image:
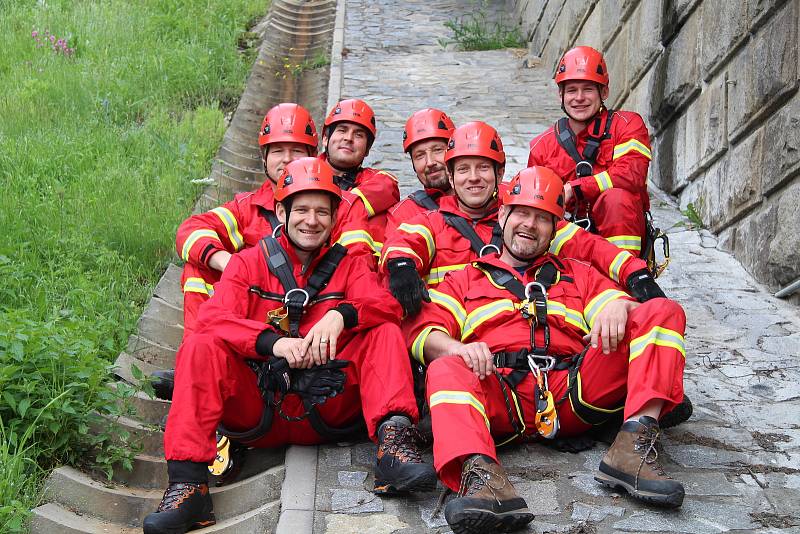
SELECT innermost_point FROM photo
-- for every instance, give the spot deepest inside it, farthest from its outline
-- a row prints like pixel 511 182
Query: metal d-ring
pixel 532 285
pixel 299 290
pixel 490 246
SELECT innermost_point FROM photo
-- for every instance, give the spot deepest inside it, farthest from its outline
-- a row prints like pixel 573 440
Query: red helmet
pixel 288 123
pixel 425 124
pixel 353 110
pixel 536 187
pixel 582 63
pixel 306 174
pixel 475 139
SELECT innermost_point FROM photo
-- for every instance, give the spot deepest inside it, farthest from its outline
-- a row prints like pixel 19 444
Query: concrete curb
pixel 299 490
pixel 336 76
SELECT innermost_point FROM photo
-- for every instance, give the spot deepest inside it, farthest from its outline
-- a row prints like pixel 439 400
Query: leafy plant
pixel 475 31
pixel 692 214
pixel 317 61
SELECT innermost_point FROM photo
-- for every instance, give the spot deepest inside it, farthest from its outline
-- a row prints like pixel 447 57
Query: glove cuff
pixel 349 314
pixel 265 342
pixel 398 264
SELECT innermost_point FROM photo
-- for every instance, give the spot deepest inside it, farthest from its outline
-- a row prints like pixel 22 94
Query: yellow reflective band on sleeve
pixel 390 175
pixel 418 346
pixel 633 144
pixel 483 313
pixel 437 273
pixel 405 251
pixel 599 302
pixel 616 265
pixel 198 285
pixel 562 236
pixel 603 180
pixel 192 239
pixel 459 397
pixel 573 317
pixel 370 210
pixel 627 242
pixel 352 237
pixel 660 336
pixel 231 225
pixel 450 304
pixel 424 232
pixel 377 247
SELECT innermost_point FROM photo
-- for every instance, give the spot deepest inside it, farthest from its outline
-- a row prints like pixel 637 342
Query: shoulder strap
pixel 423 199
pixel 278 262
pixel 324 270
pixel 465 228
pixel 595 138
pixel 566 139
pixel 271 218
pixel 584 163
pixel 347 179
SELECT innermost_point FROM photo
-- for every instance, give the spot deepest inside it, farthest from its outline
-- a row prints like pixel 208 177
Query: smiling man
pixel 512 333
pixel 602 155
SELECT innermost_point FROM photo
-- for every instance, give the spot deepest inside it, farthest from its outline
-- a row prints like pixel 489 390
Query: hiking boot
pixel 163 382
pixel 399 467
pixel 185 506
pixel 487 501
pixel 632 464
pixel 680 414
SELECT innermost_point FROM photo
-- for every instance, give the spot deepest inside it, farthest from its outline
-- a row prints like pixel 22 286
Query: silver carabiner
pixel 300 290
pixel 536 368
pixel 490 246
pixel 277 231
pixel 532 285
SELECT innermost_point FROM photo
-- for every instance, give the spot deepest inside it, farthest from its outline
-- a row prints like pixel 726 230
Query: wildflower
pixel 34 34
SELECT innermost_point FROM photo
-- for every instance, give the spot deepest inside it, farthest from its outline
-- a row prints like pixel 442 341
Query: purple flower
pixel 34 33
pixel 52 38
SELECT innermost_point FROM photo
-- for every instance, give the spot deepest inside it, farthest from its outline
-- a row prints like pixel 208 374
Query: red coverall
pixel 438 248
pixel 214 384
pixel 239 224
pixel 405 210
pixel 617 192
pixel 466 412
pixel 378 191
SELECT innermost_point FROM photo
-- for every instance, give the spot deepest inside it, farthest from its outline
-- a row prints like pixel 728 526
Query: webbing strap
pixel 424 200
pixel 465 228
pixel 584 164
pixel 270 216
pixel 346 180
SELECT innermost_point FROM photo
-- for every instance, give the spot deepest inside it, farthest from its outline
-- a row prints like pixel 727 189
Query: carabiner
pixel 534 365
pixel 299 290
pixel 490 246
pixel 532 285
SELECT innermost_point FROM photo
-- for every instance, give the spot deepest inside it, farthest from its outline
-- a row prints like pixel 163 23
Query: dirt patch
pixel 774 520
pixel 763 469
pixel 693 439
pixel 767 441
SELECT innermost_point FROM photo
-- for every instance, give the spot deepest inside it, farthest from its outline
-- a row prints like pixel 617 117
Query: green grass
pixel 475 31
pixel 97 153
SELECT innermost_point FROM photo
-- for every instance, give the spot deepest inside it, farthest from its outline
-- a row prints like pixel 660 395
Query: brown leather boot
pixel 632 464
pixel 487 501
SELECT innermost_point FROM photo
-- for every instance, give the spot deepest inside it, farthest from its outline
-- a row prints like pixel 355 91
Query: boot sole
pixel 180 530
pixel 426 482
pixel 671 500
pixel 478 521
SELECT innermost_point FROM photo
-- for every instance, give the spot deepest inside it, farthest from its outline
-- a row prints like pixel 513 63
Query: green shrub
pixel 475 31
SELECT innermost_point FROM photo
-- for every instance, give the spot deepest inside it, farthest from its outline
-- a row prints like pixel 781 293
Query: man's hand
pixel 476 355
pixel 609 325
pixel 567 194
pixel 219 260
pixel 407 286
pixel 291 349
pixel 320 341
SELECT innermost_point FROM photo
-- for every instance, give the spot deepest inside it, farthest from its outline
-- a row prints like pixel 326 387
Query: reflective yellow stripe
pixel 437 273
pixel 459 397
pixel 421 230
pixel 418 346
pixel 562 236
pixel 370 209
pixel 192 239
pixel 658 335
pixel 597 304
pixel 356 236
pixel 377 247
pixel 404 250
pixel 450 304
pixel 231 225
pixel 616 265
pixel 390 175
pixel 628 242
pixel 573 317
pixel 483 313
pixel 603 180
pixel 198 285
pixel 588 405
pixel 623 148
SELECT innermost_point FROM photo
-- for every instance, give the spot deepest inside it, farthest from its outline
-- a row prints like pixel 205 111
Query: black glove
pixel 319 383
pixel 272 375
pixel 407 286
pixel 642 287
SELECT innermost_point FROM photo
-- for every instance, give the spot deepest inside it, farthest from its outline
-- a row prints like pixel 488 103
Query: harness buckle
pixel 279 318
pixel 490 246
pixel 536 368
pixel 531 285
pixel 298 290
pixel 580 165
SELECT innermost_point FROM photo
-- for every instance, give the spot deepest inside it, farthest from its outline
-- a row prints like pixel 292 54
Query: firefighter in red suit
pixel 425 139
pixel 435 243
pixel 271 366
pixel 607 182
pixel 348 135
pixel 207 240
pixel 506 343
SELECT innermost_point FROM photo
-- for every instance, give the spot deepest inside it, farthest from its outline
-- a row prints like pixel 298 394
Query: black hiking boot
pixel 487 501
pixel 680 414
pixel 163 382
pixel 185 506
pixel 632 464
pixel 399 467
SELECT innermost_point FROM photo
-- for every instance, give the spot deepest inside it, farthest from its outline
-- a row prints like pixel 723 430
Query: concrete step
pixel 125 505
pixel 237 158
pixel 54 519
pixel 156 326
pixel 151 352
pixel 149 411
pixel 164 311
pixel 248 174
pixel 169 287
pixel 122 367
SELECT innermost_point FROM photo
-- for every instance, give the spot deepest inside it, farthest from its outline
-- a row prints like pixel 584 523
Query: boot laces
pixel 176 494
pixel 647 444
pixel 474 477
pixel 402 443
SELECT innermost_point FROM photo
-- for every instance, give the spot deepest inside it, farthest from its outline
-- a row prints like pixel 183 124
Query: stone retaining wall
pixel 717 83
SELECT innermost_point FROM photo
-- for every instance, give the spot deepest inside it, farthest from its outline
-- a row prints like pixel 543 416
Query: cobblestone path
pixel 739 455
